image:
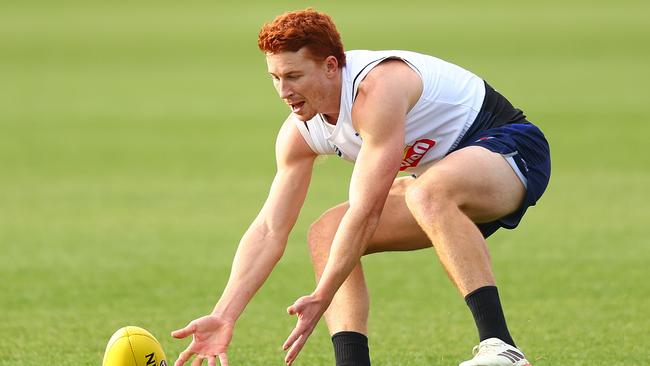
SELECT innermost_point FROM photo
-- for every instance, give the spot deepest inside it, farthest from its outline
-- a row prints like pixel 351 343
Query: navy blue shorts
pixel 525 146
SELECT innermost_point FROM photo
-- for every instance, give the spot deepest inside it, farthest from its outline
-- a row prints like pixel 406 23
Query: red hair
pixel 294 30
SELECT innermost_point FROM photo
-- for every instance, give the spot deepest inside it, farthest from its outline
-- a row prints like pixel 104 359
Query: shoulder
pixel 290 145
pixel 391 68
pixel 391 78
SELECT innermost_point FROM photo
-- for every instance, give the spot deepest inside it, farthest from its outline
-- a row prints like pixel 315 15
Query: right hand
pixel 211 336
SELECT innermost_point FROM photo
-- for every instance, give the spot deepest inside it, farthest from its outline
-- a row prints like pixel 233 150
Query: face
pixel 307 86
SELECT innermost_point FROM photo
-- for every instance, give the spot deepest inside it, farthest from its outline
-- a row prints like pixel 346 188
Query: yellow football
pixel 133 346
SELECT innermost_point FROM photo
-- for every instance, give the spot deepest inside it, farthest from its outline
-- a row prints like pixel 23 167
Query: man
pixel 476 165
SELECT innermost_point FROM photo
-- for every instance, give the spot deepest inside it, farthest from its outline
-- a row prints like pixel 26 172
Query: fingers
pixel 223 358
pixel 297 307
pixel 296 342
pixel 295 349
pixel 297 332
pixel 198 360
pixel 183 357
pixel 212 361
pixel 184 332
pixel 291 310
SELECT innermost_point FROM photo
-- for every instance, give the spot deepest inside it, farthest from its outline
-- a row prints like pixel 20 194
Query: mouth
pixel 296 107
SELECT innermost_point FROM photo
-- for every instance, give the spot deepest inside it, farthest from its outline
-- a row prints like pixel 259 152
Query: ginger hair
pixel 291 31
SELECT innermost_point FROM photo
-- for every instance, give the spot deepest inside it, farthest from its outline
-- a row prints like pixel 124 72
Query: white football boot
pixel 495 352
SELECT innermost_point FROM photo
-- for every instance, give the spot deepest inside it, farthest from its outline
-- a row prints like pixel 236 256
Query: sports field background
pixel 136 144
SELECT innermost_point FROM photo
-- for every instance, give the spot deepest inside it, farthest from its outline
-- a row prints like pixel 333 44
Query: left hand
pixel 211 336
pixel 309 310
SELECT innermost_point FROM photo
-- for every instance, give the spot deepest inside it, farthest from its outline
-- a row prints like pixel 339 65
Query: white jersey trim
pixel 314 135
pixel 369 67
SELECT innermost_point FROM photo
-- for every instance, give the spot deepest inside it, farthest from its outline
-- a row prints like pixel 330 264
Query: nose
pixel 284 89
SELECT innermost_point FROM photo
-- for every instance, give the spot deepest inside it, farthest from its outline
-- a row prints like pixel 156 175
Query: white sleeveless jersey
pixel 451 98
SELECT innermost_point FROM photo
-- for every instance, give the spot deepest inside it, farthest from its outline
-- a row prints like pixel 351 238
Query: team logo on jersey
pixel 414 153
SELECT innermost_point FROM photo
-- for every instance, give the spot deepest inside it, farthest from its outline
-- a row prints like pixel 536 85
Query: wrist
pixel 321 294
pixel 332 278
pixel 224 314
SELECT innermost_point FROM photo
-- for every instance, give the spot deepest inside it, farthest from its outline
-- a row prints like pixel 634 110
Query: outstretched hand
pixel 309 310
pixel 211 336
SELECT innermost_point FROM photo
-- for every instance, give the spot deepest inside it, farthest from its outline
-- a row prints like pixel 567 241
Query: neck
pixel 331 110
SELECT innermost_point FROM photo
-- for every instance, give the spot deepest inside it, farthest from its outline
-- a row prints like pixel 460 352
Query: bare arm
pixel 379 113
pixel 259 250
pixel 264 242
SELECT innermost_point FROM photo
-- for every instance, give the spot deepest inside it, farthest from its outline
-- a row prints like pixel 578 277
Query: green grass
pixel 125 134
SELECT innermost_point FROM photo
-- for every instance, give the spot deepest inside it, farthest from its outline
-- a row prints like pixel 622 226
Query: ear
pixel 331 65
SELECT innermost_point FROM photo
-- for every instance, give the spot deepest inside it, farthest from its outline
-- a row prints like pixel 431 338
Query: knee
pixel 430 199
pixel 315 237
pixel 321 233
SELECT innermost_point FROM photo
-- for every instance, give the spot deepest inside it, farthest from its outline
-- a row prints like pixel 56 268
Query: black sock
pixel 351 349
pixel 486 308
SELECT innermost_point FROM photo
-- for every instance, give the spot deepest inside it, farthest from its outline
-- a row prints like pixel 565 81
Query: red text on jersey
pixel 414 153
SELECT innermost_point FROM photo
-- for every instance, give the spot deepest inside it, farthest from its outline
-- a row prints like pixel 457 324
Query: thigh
pixel 481 182
pixel 397 229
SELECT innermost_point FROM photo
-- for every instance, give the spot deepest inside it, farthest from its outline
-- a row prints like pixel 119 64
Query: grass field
pixel 136 144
